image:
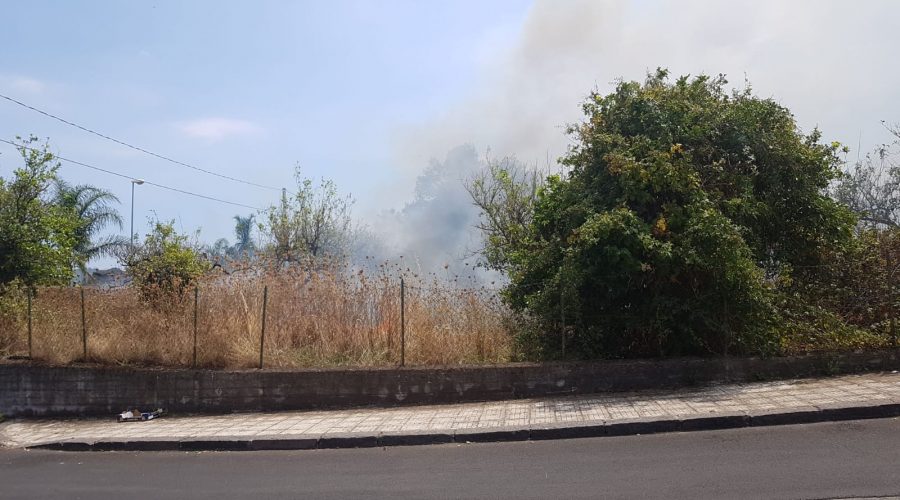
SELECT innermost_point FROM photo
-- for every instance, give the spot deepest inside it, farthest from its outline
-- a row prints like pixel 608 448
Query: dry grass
pixel 313 319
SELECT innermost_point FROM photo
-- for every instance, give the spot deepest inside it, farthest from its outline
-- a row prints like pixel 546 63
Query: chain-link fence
pixel 279 322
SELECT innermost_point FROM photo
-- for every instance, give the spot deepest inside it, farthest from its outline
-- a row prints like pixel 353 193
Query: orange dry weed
pixel 313 318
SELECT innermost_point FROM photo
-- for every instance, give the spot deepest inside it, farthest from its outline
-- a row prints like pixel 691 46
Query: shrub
pixel 164 265
pixel 683 206
pixel 852 300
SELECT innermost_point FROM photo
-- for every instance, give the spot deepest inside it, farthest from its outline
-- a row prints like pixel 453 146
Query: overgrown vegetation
pixel 314 317
pixel 693 220
pixel 690 219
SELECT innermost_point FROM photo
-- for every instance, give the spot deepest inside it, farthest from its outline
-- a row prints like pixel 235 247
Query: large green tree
pixel 37 236
pixel 684 208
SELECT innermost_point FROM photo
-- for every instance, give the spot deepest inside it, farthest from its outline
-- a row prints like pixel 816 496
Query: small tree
pixel 165 264
pixel 505 192
pixel 872 187
pixel 313 223
pixel 38 238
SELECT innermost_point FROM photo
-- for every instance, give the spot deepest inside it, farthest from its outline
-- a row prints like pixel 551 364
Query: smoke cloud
pixel 830 62
pixel 435 231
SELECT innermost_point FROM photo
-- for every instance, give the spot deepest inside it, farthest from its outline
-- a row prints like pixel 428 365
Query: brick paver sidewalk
pixel 524 414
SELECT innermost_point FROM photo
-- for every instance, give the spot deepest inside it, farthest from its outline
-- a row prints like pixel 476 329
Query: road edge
pixel 627 427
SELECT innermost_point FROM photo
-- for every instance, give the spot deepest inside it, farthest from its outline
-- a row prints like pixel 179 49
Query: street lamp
pixel 133 182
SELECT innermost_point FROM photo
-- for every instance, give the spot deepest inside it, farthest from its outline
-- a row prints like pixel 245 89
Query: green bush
pixel 165 265
pixel 851 301
pixel 684 207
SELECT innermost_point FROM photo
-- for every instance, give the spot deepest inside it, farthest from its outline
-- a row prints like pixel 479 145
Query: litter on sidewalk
pixel 135 415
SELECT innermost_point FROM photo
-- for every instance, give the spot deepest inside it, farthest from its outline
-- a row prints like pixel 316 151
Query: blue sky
pixel 366 93
pixel 248 90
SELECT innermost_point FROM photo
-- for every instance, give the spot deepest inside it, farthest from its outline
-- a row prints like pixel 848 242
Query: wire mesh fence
pixel 319 320
pixel 313 319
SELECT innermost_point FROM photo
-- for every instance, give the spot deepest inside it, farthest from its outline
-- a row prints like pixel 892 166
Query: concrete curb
pixel 629 427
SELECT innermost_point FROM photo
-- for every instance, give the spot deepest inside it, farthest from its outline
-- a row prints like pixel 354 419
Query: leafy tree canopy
pixel 37 237
pixel 684 206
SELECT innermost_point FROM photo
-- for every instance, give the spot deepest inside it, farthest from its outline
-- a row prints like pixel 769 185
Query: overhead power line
pixel 136 148
pixel 117 174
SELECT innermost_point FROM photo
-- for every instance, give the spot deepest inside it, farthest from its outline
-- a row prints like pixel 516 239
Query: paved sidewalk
pixel 734 405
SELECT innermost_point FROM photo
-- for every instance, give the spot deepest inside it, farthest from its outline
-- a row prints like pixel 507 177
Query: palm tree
pixel 92 206
pixel 244 244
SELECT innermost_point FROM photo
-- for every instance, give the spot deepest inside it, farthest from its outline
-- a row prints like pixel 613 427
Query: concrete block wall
pixel 29 389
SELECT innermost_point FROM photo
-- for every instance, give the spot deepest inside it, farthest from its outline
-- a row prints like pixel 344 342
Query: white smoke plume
pixel 435 231
pixel 829 61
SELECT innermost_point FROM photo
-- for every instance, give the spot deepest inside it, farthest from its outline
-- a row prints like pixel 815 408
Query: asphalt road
pixel 847 459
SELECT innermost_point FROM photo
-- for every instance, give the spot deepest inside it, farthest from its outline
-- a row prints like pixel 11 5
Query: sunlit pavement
pixel 518 419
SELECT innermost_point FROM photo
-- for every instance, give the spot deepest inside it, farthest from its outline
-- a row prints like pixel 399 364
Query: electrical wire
pixel 161 186
pixel 136 148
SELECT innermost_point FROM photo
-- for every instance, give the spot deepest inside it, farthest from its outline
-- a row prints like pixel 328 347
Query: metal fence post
pixel 894 332
pixel 262 336
pixel 29 322
pixel 196 300
pixel 83 328
pixel 402 322
pixel 892 299
pixel 562 317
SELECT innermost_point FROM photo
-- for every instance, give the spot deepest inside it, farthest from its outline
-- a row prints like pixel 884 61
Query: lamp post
pixel 133 182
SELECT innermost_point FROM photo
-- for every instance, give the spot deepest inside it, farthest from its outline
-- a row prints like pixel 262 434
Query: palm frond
pixel 107 247
pixel 93 206
pixel 104 216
